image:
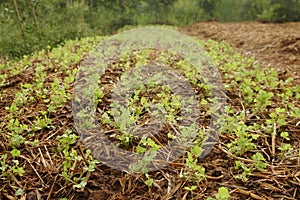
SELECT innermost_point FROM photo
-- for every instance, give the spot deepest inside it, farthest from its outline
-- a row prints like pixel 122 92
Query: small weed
pixel 72 159
pixel 223 194
pixel 258 164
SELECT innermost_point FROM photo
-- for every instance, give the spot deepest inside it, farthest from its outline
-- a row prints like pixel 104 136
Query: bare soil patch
pixel 273 45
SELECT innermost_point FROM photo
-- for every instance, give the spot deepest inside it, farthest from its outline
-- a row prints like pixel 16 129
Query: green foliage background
pixel 59 20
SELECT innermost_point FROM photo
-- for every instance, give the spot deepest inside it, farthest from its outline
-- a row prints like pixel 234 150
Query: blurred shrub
pixel 60 20
pixel 186 12
pixel 261 10
pixel 56 23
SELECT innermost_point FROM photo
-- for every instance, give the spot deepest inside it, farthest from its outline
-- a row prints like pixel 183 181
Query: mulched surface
pixel 273 45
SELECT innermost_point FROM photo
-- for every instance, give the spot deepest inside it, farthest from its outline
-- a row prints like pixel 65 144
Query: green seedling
pixel 12 168
pixel 194 172
pixel 285 147
pixel 222 194
pixel 246 170
pixel 149 181
pixel 72 159
pixel 277 117
pixel 42 122
pixel 262 100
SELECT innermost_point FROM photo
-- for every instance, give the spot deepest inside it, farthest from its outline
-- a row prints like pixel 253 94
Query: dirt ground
pixel 273 45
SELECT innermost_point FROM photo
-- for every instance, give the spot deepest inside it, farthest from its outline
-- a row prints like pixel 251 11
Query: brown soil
pixel 273 45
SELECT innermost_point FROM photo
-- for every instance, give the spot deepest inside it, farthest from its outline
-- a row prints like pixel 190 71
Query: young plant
pixel 193 172
pixel 258 164
pixel 262 100
pixel 72 160
pixel 222 194
pixel 11 167
pixel 149 148
pixel 244 140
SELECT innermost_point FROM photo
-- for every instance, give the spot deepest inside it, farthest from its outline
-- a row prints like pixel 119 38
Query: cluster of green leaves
pixel 149 96
pixel 71 159
pixel 262 106
pixel 194 173
pixel 222 194
pixel 34 102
